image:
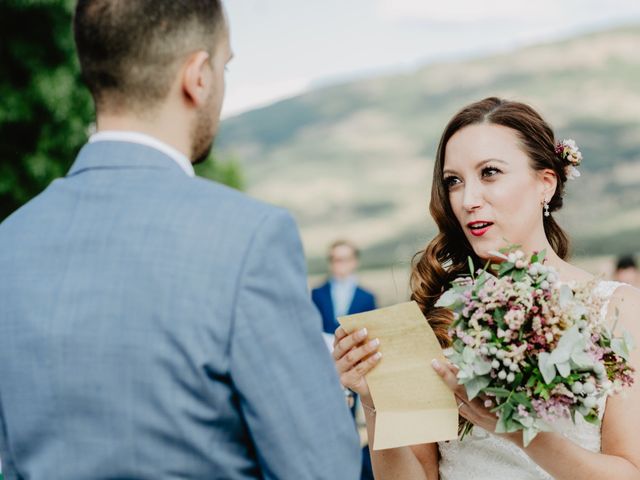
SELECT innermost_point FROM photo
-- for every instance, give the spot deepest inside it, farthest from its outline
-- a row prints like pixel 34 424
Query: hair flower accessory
pixel 568 152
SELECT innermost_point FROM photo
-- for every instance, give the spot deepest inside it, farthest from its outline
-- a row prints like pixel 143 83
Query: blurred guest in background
pixel 627 271
pixel 341 294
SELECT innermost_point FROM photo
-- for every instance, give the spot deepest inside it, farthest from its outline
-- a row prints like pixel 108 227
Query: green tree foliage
pixel 45 110
pixel 227 171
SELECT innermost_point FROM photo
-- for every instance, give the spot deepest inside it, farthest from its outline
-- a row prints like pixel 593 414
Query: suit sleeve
pixel 7 465
pixel 289 391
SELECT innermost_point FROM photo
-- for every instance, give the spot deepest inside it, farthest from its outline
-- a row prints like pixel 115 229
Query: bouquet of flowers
pixel 535 349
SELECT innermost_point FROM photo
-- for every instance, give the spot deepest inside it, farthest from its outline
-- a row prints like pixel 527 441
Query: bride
pixel 497 178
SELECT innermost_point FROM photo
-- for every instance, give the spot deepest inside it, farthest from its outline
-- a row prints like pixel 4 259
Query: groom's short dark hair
pixel 129 49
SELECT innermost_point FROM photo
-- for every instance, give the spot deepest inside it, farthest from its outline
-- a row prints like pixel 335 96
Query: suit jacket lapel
pixel 328 301
pixel 355 301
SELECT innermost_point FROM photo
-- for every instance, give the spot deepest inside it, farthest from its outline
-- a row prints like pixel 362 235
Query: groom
pixel 154 325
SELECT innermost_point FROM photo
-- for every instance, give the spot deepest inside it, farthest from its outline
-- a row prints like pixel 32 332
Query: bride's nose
pixel 472 196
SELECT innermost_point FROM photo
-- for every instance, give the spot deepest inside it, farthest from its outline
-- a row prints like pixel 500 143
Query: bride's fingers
pixel 460 400
pixel 447 374
pixel 351 377
pixel 452 368
pixel 338 335
pixel 345 344
pixel 468 413
pixel 356 355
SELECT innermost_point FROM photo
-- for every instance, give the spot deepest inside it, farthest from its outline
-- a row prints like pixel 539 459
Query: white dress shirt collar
pixel 144 139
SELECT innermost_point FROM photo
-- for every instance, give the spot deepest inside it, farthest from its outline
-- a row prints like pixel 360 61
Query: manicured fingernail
pixel 374 343
pixel 377 355
pixel 362 333
pixel 436 364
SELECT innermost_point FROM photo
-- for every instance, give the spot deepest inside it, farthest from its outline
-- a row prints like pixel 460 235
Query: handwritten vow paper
pixel 413 404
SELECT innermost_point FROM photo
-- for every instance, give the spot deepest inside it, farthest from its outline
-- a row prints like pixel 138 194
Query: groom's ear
pixel 196 78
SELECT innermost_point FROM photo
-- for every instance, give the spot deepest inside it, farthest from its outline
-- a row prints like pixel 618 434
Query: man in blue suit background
pixel 154 325
pixel 341 295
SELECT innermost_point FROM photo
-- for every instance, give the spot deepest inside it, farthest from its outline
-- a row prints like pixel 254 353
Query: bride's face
pixel 495 194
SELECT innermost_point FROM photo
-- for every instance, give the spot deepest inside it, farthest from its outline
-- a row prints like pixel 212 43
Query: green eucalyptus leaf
pixel 629 340
pixel 592 418
pixel 570 341
pixel 468 355
pixel 582 359
pixel 481 366
pixel 505 268
pixel 547 368
pixel 566 295
pixel 519 275
pixel 619 347
pixel 450 299
pixel 475 385
pixel 564 369
pixel 526 422
pixel 522 399
pixel 497 391
pixel 528 434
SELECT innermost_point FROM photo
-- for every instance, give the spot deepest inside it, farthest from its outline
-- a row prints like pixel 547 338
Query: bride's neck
pixel 566 271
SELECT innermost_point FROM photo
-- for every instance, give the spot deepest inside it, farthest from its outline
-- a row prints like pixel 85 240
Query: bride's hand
pixel 355 356
pixel 473 410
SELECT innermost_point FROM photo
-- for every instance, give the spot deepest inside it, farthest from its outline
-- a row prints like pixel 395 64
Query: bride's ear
pixel 548 183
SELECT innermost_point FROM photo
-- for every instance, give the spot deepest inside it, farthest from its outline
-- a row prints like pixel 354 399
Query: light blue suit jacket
pixel 158 326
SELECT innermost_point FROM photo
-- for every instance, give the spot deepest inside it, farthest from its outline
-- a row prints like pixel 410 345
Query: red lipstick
pixel 479 227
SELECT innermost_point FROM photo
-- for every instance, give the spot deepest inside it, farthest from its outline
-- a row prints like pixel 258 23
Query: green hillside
pixel 355 159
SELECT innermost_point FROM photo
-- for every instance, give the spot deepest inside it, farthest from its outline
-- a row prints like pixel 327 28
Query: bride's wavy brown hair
pixel 446 256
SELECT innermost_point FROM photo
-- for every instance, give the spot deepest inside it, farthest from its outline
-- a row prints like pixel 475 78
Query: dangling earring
pixel 546 208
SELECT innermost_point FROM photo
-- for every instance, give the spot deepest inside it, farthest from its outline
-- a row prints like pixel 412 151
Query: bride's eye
pixel 451 181
pixel 490 171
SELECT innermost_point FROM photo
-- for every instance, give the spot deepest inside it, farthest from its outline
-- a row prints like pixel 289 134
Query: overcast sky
pixel 284 47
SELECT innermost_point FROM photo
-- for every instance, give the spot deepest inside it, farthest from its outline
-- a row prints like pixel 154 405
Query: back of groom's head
pixel 130 51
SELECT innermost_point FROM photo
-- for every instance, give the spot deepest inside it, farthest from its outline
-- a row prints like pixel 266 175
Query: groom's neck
pixel 162 125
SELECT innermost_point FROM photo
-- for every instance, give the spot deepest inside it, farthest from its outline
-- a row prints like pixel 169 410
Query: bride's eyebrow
pixel 479 165
pixel 490 160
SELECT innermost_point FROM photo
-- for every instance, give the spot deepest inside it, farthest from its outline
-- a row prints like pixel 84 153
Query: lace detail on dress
pixel 483 456
pixel 605 290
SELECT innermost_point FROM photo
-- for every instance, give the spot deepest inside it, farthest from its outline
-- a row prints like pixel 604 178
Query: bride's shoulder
pixel 624 307
pixel 627 297
pixel 576 274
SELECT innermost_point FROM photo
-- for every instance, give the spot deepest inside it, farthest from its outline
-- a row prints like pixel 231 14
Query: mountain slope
pixel 355 159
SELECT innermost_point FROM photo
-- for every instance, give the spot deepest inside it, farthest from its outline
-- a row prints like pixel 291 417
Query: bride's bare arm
pixel 418 462
pixel 427 455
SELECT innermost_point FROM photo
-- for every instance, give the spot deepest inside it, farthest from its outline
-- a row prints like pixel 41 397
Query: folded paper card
pixel 413 404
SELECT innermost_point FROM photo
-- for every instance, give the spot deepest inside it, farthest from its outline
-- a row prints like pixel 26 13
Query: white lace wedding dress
pixel 483 456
